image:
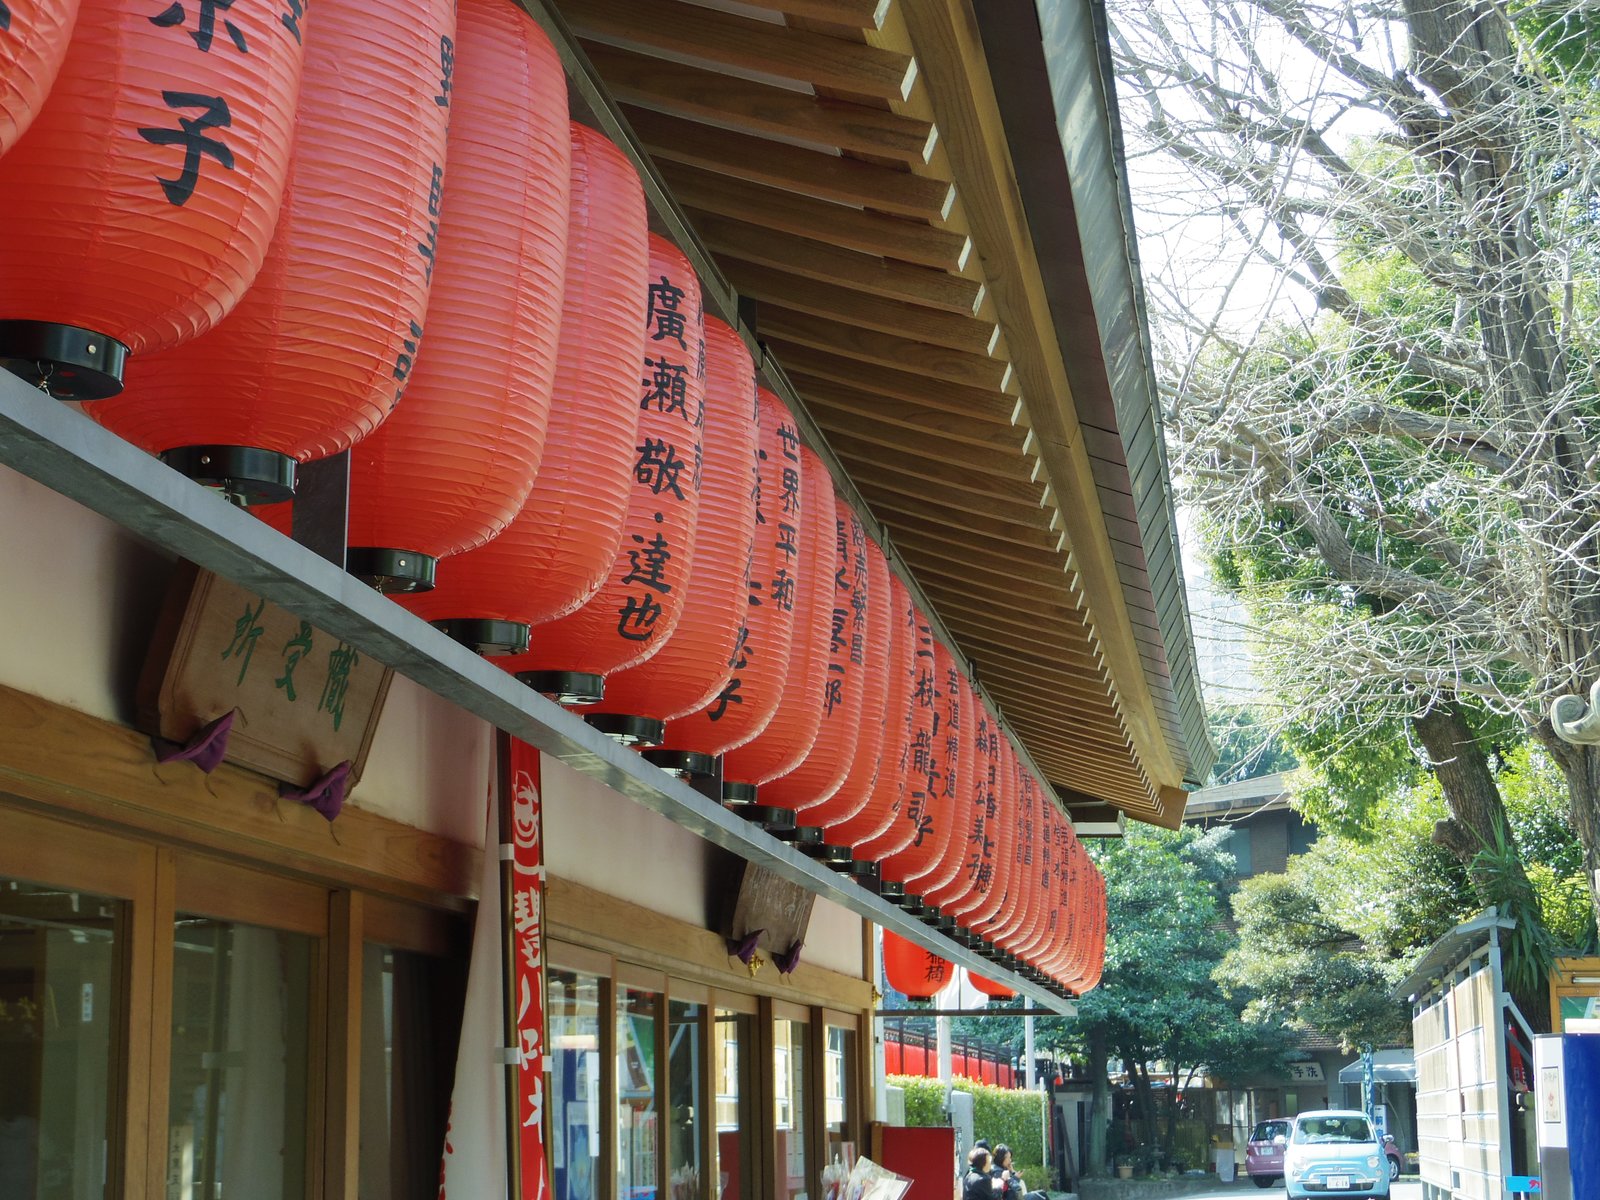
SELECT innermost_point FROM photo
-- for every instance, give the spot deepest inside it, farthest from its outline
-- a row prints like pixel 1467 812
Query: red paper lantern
pixel 811 788
pixel 878 830
pixel 920 974
pixel 140 202
pixel 997 794
pixel 746 704
pixel 693 666
pixel 453 464
pixel 928 808
pixel 1021 931
pixel 1011 912
pixel 789 736
pixel 557 550
pixel 306 364
pixel 983 813
pixel 33 41
pixel 945 776
pixel 971 873
pixel 638 606
pixel 998 991
pixel 856 794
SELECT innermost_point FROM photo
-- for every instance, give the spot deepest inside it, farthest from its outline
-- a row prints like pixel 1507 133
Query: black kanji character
pixel 659 466
pixel 174 15
pixel 832 695
pixel 191 136
pixel 667 387
pixel 447 71
pixel 648 565
pixel 783 589
pixel 790 437
pixel 790 494
pixel 291 18
pixel 664 317
pixel 636 619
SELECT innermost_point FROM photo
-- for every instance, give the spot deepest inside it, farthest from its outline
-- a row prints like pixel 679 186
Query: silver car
pixel 1334 1152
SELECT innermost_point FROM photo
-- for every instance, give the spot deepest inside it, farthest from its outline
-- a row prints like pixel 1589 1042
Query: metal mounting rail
pixel 61 448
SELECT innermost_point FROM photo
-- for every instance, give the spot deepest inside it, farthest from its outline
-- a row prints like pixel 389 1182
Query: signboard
pixel 527 932
pixel 304 701
pixel 1306 1072
pixel 771 909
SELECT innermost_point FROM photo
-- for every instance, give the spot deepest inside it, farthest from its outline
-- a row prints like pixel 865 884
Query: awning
pixel 1388 1066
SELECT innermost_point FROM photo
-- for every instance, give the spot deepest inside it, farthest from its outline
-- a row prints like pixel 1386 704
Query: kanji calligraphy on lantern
pixel 305 700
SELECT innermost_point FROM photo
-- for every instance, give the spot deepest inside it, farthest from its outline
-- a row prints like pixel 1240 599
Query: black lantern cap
pixel 391 572
pixel 685 764
pixel 566 687
pixel 628 731
pixel 738 793
pixel 801 837
pixel 837 857
pixel 481 635
pixel 244 474
pixel 63 361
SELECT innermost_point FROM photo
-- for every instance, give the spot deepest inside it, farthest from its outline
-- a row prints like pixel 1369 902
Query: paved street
pixel 1404 1190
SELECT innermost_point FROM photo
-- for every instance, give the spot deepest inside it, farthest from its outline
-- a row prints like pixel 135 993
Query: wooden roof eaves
pixel 1074 134
pixel 956 77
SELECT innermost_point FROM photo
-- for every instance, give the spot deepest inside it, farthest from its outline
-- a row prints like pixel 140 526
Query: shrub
pixel 998 1114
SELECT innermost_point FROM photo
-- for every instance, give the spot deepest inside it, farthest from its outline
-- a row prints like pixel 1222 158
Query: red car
pixel 1263 1153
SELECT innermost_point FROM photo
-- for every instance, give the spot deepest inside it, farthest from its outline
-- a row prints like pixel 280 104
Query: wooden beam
pixel 897 443
pixel 759 107
pixel 856 14
pixel 970 414
pixel 745 44
pixel 969 403
pixel 1047 572
pixel 893 507
pixel 909 417
pixel 1017 500
pixel 884 349
pixel 955 331
pixel 831 177
pixel 820 220
pixel 864 274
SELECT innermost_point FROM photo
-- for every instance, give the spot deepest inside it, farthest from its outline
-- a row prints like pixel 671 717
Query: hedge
pixel 998 1114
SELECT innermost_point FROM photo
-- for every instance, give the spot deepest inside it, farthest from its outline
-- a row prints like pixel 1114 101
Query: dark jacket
pixel 977 1185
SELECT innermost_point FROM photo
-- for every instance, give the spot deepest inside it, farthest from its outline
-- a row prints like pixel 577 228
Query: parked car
pixel 1396 1156
pixel 1263 1152
pixel 1335 1152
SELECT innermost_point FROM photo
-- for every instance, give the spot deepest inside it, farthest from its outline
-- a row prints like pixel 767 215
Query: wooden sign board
pixel 306 701
pixel 770 903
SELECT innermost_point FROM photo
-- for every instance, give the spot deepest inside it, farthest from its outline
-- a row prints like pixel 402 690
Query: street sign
pixel 1524 1185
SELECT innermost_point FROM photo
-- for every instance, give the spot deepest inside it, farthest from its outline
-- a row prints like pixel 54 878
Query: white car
pixel 1335 1152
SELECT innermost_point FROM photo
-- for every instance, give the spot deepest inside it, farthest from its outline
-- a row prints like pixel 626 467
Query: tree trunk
pixel 1170 1139
pixel 1477 813
pixel 1099 1122
pixel 1145 1094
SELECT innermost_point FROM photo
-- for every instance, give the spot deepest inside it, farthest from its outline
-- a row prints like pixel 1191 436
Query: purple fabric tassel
pixel 745 949
pixel 326 795
pixel 206 748
pixel 788 960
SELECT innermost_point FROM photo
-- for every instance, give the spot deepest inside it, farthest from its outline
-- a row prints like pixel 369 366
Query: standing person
pixel 978 1184
pixel 1006 1183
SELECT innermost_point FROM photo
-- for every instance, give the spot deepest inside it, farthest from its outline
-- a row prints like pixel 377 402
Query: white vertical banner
pixel 474 1165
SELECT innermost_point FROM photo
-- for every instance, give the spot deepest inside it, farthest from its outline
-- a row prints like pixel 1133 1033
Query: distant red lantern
pixel 33 40
pixel 879 829
pixel 453 464
pixel 140 202
pixel 555 553
pixel 694 665
pixel 920 974
pixel 792 732
pixel 857 792
pixel 746 703
pixel 638 606
pixel 812 786
pixel 929 808
pixel 997 991
pixel 305 364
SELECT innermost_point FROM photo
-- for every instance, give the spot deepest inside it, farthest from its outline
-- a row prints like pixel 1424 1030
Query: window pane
pixel 733 1037
pixel 842 1130
pixel 572 1017
pixel 636 1094
pixel 241 999
pixel 789 1081
pixel 686 1110
pixel 410 1017
pixel 58 1013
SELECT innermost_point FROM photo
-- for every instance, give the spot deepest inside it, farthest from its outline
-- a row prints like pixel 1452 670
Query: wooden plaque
pixel 770 903
pixel 306 701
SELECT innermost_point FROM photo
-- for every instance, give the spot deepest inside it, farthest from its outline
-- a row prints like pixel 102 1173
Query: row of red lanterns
pixel 305 232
